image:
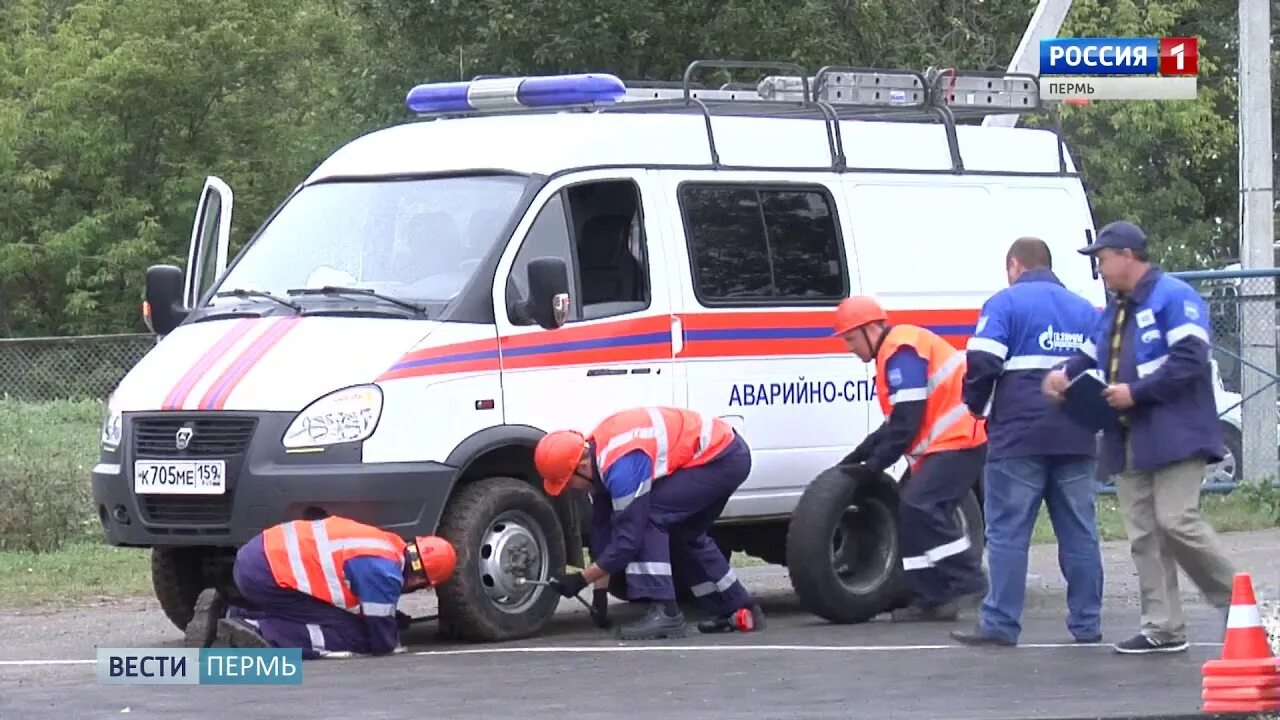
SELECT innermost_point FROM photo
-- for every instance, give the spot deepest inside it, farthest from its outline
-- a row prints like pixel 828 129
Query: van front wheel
pixel 177 577
pixel 502 530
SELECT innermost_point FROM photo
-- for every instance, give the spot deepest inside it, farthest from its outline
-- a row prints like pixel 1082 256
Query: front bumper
pixel 264 485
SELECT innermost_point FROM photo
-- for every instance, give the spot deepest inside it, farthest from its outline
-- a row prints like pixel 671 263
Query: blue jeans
pixel 1013 489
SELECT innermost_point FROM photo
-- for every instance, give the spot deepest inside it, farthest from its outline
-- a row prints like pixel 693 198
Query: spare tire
pixel 842 546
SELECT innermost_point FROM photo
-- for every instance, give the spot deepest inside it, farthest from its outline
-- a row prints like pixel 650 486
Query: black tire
pixel 467 612
pixel 825 525
pixel 177 577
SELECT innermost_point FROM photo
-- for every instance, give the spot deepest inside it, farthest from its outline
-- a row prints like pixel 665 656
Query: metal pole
pixel 1045 22
pixel 1258 316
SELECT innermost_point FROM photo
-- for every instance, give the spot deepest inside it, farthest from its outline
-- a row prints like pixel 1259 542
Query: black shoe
pixel 655 624
pixel 748 619
pixel 978 637
pixel 1090 639
pixel 236 633
pixel 210 607
pixel 1142 645
pixel 946 612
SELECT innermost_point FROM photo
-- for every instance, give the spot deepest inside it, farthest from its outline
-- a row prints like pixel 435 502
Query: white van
pixel 537 253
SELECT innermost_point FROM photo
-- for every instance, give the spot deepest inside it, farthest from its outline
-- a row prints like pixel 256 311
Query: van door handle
pixel 596 372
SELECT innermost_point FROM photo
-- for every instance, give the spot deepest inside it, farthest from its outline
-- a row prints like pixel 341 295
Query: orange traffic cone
pixel 1247 677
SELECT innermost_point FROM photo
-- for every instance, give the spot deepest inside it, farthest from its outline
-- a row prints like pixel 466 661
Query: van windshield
pixel 416 240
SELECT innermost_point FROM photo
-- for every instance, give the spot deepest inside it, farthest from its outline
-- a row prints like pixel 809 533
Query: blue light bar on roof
pixel 520 92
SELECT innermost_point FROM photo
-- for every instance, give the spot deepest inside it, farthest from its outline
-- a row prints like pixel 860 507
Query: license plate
pixel 180 477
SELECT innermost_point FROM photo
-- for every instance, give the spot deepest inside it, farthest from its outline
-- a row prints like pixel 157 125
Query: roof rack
pixel 832 94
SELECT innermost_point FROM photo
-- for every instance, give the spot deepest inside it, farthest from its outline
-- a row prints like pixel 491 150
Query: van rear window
pixel 753 244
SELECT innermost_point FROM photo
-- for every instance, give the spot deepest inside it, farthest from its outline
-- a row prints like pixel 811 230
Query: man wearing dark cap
pixel 1152 349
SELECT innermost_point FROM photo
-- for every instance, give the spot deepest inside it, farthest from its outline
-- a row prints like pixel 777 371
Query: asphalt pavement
pixel 798 667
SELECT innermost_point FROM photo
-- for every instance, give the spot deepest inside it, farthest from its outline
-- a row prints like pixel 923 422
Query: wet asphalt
pixel 799 667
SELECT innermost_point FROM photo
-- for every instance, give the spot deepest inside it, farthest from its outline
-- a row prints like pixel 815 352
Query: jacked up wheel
pixel 502 529
pixel 514 548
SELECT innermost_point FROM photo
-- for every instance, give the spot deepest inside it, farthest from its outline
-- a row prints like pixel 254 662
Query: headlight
pixel 347 415
pixel 111 427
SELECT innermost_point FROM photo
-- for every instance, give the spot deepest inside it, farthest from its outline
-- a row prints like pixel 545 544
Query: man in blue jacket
pixel 1152 348
pixel 1034 451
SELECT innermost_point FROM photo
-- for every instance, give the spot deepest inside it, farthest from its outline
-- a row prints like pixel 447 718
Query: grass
pixel 77 572
pixel 51 546
pixel 1235 512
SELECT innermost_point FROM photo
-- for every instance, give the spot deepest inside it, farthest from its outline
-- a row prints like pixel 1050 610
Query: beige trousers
pixel 1162 518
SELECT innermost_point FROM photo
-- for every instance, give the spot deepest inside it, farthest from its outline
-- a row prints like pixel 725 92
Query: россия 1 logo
pixel 1122 68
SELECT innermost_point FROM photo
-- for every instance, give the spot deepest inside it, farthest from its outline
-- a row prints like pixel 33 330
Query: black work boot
pixel 211 606
pixel 658 623
pixel 236 633
pixel 747 619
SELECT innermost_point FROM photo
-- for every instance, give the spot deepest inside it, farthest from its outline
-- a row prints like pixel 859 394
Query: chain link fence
pixel 68 368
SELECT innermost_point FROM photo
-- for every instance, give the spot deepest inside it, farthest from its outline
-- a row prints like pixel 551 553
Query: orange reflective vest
pixel 947 423
pixel 672 438
pixel 308 555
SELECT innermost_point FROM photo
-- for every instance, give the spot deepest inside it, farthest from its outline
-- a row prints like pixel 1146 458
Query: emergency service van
pixel 537 253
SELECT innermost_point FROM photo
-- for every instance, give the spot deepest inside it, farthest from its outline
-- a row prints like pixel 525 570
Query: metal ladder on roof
pixel 837 93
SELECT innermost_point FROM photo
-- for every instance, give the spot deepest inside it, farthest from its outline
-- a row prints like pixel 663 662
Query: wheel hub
pixel 863 544
pixel 513 549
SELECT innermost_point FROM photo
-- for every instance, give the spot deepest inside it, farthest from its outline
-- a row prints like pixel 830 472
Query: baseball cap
pixel 1119 235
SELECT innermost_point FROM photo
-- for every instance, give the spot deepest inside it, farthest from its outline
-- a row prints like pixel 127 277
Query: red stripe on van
pixel 178 395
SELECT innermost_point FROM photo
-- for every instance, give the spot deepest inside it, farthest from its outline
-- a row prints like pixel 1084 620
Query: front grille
pixel 156 437
pixel 200 510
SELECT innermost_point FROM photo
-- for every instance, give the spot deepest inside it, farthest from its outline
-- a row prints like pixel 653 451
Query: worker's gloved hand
pixel 569 585
pixel 600 608
pixel 858 456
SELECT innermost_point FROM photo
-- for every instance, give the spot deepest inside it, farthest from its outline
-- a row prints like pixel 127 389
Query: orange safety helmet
pixel 432 557
pixel 556 457
pixel 859 310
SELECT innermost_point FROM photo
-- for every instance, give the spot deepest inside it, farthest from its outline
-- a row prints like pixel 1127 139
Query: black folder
pixel 1085 404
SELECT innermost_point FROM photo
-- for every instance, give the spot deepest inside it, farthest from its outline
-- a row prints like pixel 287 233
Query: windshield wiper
pixel 332 290
pixel 245 294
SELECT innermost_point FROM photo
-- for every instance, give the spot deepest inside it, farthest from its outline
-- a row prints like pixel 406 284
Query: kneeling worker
pixel 327 586
pixel 919 383
pixel 659 478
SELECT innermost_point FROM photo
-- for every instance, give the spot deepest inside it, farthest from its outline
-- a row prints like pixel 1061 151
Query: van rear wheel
pixel 502 530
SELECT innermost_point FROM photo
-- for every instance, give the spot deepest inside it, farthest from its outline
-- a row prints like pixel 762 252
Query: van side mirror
pixel 164 298
pixel 548 302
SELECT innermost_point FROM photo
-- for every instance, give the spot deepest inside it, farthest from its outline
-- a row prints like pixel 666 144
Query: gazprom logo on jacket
pixel 1050 340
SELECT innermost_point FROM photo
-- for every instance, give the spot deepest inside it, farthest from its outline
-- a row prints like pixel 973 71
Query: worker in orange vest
pixel 328 586
pixel 919 379
pixel 658 479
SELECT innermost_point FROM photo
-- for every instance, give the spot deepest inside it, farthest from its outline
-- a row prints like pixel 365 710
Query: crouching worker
pixel 658 478
pixel 919 383
pixel 328 586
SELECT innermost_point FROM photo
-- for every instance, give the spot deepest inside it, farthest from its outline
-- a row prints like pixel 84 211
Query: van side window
pixel 605 250
pixel 548 236
pixel 763 243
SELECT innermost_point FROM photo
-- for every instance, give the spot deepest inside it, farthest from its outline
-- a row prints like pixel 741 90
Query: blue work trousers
pixel 288 618
pixel 677 546
pixel 1014 488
